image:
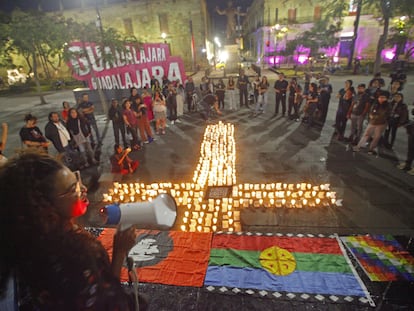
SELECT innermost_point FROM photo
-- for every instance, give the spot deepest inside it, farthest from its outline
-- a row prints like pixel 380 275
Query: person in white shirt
pixel 57 133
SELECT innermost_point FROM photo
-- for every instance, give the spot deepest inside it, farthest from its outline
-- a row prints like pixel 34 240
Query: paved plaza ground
pixel 377 198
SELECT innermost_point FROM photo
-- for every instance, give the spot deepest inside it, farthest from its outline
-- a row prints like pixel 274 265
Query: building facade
pixel 183 24
pixel 270 24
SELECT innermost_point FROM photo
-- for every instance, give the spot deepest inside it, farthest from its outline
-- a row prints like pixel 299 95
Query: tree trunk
pixel 383 38
pixel 36 79
pixel 354 38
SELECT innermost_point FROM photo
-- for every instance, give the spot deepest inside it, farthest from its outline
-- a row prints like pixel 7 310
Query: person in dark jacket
pixel 57 133
pixel 398 117
pixel 81 132
pixel 357 113
pixel 378 117
pixel 115 114
pixel 407 165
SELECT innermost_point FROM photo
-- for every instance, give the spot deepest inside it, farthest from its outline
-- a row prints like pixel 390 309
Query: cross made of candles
pixel 213 201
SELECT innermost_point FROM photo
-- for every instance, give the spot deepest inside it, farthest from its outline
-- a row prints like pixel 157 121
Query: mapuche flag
pixel 173 258
pixel 311 265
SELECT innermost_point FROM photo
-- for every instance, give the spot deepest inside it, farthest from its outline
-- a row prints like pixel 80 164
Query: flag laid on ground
pixel 381 257
pixel 311 265
pixel 173 258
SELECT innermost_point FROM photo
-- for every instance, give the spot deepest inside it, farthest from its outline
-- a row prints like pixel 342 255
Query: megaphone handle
pixel 133 279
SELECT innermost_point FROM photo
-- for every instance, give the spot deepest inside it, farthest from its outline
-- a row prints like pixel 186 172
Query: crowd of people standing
pixel 375 112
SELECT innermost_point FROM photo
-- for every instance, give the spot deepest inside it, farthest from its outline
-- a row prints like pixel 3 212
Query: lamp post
pixel 217 45
pixel 280 33
pixel 164 37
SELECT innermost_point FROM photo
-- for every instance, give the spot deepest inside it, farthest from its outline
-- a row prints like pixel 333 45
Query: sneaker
pixel 355 149
pixel 411 171
pixel 146 142
pixel 163 132
pixel 178 121
pixel 150 139
pixel 372 152
pixel 172 122
pixel 402 166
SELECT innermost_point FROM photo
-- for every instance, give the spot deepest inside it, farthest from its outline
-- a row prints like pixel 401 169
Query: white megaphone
pixel 159 213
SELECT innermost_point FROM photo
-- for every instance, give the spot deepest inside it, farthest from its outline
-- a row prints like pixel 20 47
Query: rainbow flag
pixel 381 257
pixel 311 265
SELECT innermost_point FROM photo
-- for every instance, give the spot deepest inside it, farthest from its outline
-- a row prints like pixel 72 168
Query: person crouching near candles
pixel 210 102
pixel 121 163
pixel 56 263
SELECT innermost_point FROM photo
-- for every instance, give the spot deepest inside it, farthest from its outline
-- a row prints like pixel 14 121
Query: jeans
pixel 280 98
pixel 356 127
pixel 374 131
pixel 261 103
pixel 118 128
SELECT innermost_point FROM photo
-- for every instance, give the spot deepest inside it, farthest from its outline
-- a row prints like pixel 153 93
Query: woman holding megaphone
pixel 55 264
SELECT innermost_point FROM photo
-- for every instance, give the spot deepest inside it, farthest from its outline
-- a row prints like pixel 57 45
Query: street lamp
pixel 280 33
pixel 164 37
pixel 217 45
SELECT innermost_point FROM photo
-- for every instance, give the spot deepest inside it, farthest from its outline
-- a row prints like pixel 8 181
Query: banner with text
pixel 132 66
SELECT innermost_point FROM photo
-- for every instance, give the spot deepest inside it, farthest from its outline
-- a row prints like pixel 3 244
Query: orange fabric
pixel 185 265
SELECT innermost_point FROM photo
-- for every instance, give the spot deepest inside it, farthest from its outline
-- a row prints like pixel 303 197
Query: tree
pixel 383 10
pixel 321 35
pixel 5 59
pixel 389 9
pixel 400 32
pixel 27 37
pixel 386 7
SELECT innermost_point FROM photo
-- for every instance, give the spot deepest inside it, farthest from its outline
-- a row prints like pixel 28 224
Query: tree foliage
pixel 42 40
pixel 321 35
pixel 383 11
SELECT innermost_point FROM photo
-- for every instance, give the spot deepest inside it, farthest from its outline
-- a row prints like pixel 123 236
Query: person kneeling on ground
pixel 210 101
pixel 121 162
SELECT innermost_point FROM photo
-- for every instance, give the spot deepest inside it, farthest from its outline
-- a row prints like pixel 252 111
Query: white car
pixel 15 76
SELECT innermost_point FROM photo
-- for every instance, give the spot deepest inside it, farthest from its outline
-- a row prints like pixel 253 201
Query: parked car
pixel 15 76
pixel 220 65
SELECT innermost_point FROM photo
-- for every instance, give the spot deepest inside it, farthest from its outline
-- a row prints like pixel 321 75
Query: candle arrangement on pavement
pixel 213 200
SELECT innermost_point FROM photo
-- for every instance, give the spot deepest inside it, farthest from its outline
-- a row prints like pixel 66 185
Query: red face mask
pixel 79 207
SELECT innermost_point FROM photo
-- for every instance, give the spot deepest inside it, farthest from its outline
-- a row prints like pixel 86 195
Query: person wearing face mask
pixel 56 264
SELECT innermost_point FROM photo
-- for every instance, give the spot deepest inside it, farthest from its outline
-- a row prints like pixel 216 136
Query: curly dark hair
pixel 26 207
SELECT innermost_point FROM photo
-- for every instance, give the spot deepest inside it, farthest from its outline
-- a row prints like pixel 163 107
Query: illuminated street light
pixel 217 41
